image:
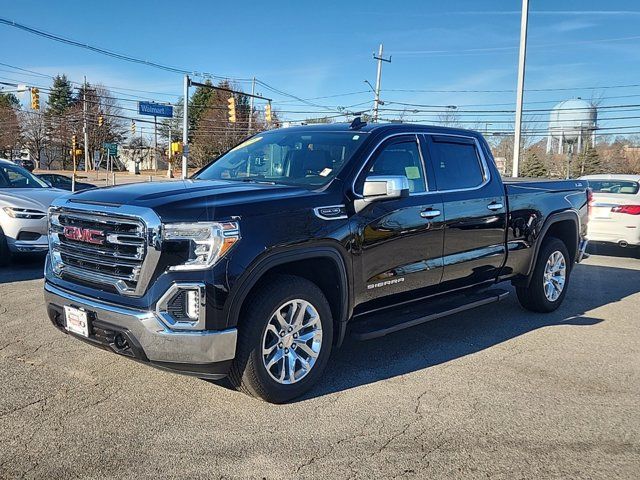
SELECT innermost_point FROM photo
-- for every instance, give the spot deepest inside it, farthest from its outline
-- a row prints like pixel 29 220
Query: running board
pixel 379 324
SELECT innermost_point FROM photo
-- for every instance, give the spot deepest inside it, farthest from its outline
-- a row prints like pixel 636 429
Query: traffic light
pixel 35 98
pixel 133 127
pixel 232 109
pixel 74 142
pixel 267 112
pixel 176 148
pixel 100 120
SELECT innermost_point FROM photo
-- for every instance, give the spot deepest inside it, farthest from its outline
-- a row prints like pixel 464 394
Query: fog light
pixel 193 304
pixel 182 306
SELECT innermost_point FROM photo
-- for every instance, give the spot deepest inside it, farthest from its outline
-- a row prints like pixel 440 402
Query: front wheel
pixel 5 254
pixel 549 280
pixel 284 340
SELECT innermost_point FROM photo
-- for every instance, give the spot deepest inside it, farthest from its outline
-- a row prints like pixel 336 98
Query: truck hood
pixel 33 198
pixel 188 199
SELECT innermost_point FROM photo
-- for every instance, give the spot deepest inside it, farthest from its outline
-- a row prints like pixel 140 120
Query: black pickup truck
pixel 258 266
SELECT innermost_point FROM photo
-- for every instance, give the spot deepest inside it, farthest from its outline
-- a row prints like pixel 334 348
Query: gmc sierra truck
pixel 258 266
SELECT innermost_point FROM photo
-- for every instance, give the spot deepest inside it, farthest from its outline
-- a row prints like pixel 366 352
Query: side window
pixel 402 158
pixel 456 164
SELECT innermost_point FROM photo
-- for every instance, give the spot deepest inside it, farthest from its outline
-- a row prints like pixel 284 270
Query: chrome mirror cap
pixel 382 187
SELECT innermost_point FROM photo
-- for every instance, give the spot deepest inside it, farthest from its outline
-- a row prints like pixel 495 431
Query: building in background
pixel 572 126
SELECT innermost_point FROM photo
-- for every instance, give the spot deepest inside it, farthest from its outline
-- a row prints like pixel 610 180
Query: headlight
pixel 208 242
pixel 24 213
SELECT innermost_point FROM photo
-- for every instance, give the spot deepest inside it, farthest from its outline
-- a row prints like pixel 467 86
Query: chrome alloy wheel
pixel 291 342
pixel 555 276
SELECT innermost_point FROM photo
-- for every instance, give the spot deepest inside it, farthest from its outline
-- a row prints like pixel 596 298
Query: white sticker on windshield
pixel 355 137
pixel 325 172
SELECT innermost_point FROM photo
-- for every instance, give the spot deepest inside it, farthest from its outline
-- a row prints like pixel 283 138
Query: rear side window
pixel 456 163
pixel 628 187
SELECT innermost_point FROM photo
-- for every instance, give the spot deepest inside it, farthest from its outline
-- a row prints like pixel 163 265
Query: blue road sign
pixel 155 109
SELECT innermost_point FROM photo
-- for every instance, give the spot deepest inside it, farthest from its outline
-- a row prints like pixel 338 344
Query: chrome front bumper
pixel 159 344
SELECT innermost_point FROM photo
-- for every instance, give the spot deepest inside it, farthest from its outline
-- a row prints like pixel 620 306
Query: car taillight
pixel 628 209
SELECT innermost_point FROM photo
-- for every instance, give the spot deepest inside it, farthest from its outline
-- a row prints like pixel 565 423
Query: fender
pixel 256 271
pixel 551 219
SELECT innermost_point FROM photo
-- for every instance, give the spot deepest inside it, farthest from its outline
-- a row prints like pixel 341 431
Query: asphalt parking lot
pixel 496 392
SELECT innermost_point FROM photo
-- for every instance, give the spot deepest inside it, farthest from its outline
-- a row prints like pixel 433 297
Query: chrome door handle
pixel 495 206
pixel 430 213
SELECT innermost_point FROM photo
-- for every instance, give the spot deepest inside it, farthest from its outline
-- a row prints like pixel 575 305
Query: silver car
pixel 24 200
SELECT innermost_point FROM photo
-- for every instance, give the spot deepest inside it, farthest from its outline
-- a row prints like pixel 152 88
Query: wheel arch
pixel 323 265
pixel 563 225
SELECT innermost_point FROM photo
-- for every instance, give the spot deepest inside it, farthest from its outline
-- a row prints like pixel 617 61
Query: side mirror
pixel 383 187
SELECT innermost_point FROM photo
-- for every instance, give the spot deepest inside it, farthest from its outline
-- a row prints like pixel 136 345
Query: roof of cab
pixel 379 127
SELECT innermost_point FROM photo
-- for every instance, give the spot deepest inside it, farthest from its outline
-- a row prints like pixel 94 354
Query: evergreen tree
pixel 533 167
pixel 588 163
pixel 9 100
pixel 198 104
pixel 60 95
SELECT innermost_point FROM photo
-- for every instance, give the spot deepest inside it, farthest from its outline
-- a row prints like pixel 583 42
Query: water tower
pixel 572 124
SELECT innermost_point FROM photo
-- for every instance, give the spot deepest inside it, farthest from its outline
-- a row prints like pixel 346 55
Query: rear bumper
pixel 632 237
pixel 142 336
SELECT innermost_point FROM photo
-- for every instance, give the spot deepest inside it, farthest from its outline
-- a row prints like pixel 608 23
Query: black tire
pixel 5 254
pixel 248 373
pixel 533 297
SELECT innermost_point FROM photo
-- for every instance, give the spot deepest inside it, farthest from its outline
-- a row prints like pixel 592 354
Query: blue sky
pixel 323 48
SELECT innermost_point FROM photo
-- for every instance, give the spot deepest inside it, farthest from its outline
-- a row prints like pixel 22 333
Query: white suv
pixel 24 200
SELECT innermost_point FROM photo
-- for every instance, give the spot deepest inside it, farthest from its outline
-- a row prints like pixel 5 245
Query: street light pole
pixel 519 96
pixel 253 92
pixel 185 127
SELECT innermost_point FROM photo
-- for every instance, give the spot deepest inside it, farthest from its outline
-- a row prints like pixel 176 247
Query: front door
pixel 399 241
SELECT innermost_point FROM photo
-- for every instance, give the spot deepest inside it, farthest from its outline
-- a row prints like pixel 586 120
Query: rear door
pixel 399 240
pixel 475 210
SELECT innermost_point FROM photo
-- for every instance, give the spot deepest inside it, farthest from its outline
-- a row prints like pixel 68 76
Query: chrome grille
pixel 114 254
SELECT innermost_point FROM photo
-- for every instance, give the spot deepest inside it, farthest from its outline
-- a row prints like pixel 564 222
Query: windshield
pixel 306 159
pixel 13 176
pixel 614 186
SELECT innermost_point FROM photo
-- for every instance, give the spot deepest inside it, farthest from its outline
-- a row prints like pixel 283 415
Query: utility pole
pixel 155 143
pixel 519 96
pixel 170 155
pixel 185 127
pixel 380 59
pixel 253 92
pixel 84 126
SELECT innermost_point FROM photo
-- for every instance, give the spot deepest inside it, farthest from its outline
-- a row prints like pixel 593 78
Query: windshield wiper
pixel 254 180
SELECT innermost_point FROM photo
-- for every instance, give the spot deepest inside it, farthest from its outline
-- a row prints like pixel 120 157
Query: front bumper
pixel 142 336
pixel 20 246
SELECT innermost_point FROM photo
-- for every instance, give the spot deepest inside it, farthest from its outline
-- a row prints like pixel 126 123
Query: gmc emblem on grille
pixel 86 235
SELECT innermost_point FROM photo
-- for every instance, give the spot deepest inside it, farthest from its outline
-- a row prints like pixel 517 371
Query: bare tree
pixel 35 135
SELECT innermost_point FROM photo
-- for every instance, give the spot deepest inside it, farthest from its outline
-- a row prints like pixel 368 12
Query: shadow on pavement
pixel 23 267
pixel 610 250
pixel 443 340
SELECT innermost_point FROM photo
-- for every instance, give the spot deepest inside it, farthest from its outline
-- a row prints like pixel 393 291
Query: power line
pixel 563 89
pixel 104 51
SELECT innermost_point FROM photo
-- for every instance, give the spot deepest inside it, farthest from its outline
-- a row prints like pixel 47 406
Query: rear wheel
pixel 284 341
pixel 549 280
pixel 5 254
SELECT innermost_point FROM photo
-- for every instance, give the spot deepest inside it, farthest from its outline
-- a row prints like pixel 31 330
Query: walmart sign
pixel 155 109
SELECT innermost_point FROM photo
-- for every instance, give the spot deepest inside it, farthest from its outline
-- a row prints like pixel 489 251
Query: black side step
pixel 379 324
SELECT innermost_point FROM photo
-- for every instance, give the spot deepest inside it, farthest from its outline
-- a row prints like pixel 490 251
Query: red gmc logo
pixel 86 235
